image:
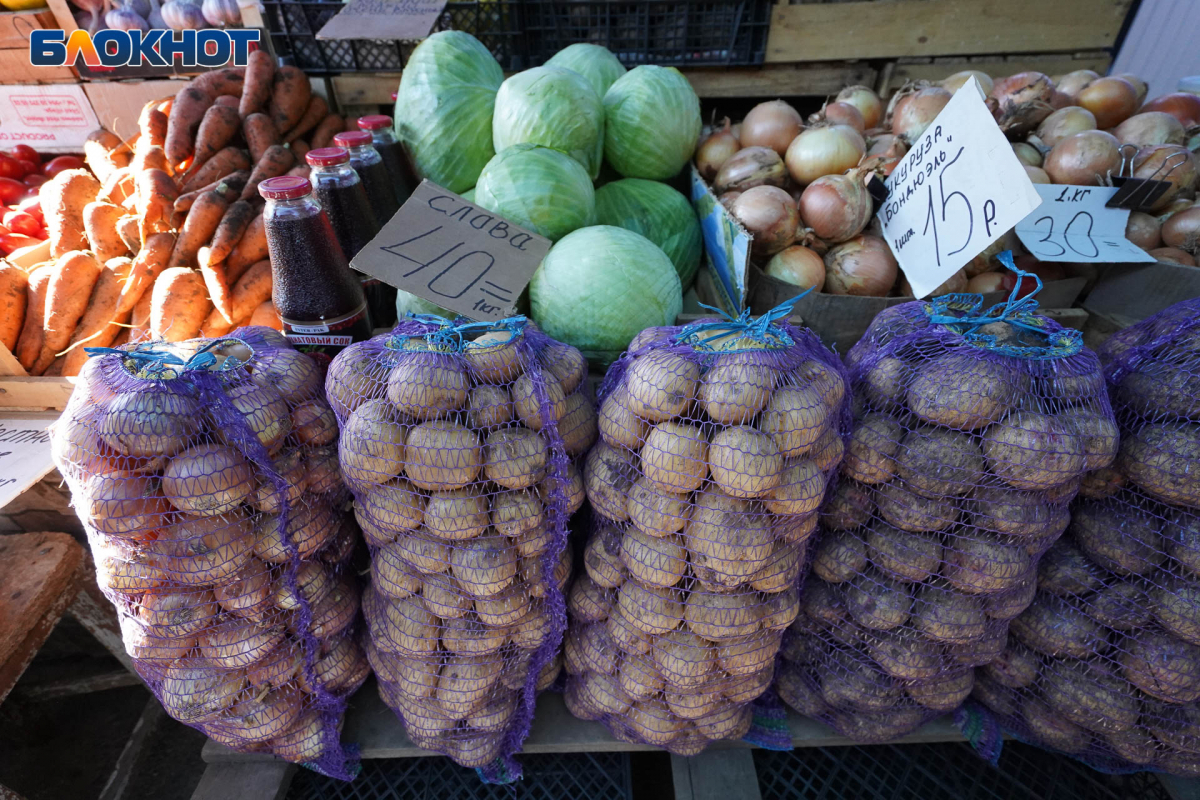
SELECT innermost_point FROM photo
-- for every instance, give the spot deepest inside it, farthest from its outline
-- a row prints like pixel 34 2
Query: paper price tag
pixel 1073 224
pixel 384 19
pixel 455 254
pixel 24 453
pixel 955 192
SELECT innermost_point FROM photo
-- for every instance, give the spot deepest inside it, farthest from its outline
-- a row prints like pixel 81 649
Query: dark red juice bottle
pixel 374 173
pixel 393 152
pixel 318 298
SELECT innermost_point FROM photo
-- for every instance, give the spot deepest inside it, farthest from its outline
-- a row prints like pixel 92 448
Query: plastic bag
pixel 457 441
pixel 718 440
pixel 972 432
pixel 205 473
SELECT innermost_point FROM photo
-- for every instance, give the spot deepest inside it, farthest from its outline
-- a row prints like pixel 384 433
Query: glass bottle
pixel 393 152
pixel 374 173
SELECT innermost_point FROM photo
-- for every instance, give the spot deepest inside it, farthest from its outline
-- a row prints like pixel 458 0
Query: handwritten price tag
pixel 24 453
pixel 455 254
pixel 1073 224
pixel 957 190
pixel 383 19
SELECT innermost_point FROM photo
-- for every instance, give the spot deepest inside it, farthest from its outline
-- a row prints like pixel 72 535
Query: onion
pixel 863 266
pixel 1027 154
pixel 915 112
pixel 1022 101
pixel 986 282
pixel 1073 83
pixel 715 150
pixel 836 207
pixel 799 266
pixel 1182 178
pixel 866 101
pixel 1037 175
pixel 1173 255
pixel 886 144
pixel 750 166
pixel 1175 206
pixel 1084 159
pixel 1143 230
pixel 1139 85
pixel 728 198
pixel 770 215
pixel 959 80
pixel 1059 100
pixel 824 151
pixel 845 114
pixel 1112 100
pixel 1183 231
pixel 771 124
pixel 1182 106
pixel 1065 122
pixel 1150 127
pixel 955 284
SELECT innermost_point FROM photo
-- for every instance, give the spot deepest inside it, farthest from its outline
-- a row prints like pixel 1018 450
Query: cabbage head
pixel 658 212
pixel 444 108
pixel 541 189
pixel 553 107
pixel 599 287
pixel 593 61
pixel 652 121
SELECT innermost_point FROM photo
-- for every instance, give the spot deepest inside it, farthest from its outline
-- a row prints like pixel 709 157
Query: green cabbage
pixel 468 195
pixel 553 107
pixel 444 108
pixel 600 286
pixel 652 121
pixel 541 189
pixel 593 62
pixel 658 212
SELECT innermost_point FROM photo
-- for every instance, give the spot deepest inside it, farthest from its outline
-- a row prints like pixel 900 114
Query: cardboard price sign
pixel 24 453
pixel 1073 224
pixel 455 254
pixel 955 192
pixel 383 19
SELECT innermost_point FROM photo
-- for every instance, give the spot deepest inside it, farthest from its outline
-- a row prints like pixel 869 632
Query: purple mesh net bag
pixel 205 473
pixel 718 442
pixel 457 441
pixel 971 434
pixel 1105 665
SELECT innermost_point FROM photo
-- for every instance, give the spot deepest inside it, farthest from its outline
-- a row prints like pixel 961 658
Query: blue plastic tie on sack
pixel 761 328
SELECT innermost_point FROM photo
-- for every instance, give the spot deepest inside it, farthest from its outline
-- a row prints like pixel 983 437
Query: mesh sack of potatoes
pixel 1105 664
pixel 717 443
pixel 972 431
pixel 205 473
pixel 458 441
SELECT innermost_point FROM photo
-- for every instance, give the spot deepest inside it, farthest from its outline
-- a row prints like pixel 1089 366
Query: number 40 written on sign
pixel 453 273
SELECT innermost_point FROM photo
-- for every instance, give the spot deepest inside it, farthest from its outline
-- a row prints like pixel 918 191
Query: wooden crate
pixel 15 27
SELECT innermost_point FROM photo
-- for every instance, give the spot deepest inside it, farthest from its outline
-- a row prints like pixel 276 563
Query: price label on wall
pixel 958 189
pixel 454 254
pixel 1073 224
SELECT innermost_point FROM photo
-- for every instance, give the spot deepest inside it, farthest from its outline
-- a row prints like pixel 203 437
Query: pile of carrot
pixel 162 237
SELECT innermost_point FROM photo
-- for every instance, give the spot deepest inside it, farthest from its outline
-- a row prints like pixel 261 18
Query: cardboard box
pixel 54 118
pixel 117 104
pixel 1132 292
pixel 15 27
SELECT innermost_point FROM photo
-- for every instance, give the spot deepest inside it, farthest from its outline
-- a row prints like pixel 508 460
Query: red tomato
pixel 35 180
pixel 4 231
pixel 57 165
pixel 15 241
pixel 28 167
pixel 11 191
pixel 20 222
pixel 33 206
pixel 23 152
pixel 10 167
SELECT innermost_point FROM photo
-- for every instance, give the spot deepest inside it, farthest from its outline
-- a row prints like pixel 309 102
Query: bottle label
pixel 324 339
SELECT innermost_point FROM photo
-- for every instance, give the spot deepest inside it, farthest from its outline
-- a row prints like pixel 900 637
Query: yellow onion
pixel 1140 86
pixel 309 526
pixel 123 505
pixel 247 593
pixel 277 667
pixel 1027 154
pixel 149 643
pixel 1184 106
pixel 208 479
pixel 177 614
pixel 866 101
pixel 717 148
pixel 312 584
pixel 128 572
pixel 959 80
pixel 258 718
pixel 829 150
pixel 1182 230
pixel 1112 100
pixel 313 423
pixel 152 422
pixel 844 114
pixel 288 464
pixel 1022 101
pixel 323 473
pixel 194 691
pixel 343 544
pixel 239 643
pixel 863 266
pixel 1173 255
pixel 304 741
pixel 1150 127
pixel 1074 82
pixel 292 374
pixel 771 217
pixel 77 449
pixel 772 124
pixel 334 613
pixel 201 551
pixel 1143 230
pixel 888 145
pixel 986 282
pixel 836 207
pixel 1065 122
pixel 728 199
pixel 1037 175
pixel 1163 158
pixel 1084 159
pixel 799 266
pixel 343 667
pixel 750 167
pixel 915 112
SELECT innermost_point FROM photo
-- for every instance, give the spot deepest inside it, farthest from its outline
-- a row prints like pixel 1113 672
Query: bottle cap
pixel 327 156
pixel 374 122
pixel 285 187
pixel 352 138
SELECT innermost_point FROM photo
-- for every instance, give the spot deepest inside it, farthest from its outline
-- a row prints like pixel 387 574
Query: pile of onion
pixel 1183 106
pixel 1073 83
pixel 799 266
pixel 1084 159
pixel 821 151
pixel 1182 230
pixel 770 215
pixel 1143 230
pixel 1063 123
pixel 959 80
pixel 1112 100
pixel 1150 127
pixel 866 101
pixel 863 266
pixel 773 124
pixel 1167 162
pixel 836 207
pixel 914 112
pixel 1022 101
pixel 750 167
pixel 715 150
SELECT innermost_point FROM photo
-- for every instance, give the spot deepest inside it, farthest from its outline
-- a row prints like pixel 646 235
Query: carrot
pixel 216 280
pixel 230 186
pixel 100 222
pixel 147 265
pixel 217 129
pixel 256 91
pixel 153 157
pixel 332 125
pixel 127 229
pixel 178 305
pixel 14 295
pixel 122 337
pixel 290 94
pixel 299 149
pixel 75 275
pixel 201 222
pixel 103 151
pixel 260 134
pixel 221 81
pixel 267 316
pixel 139 320
pixel 216 326
pixel 29 343
pixel 63 199
pixel 251 249
pixel 233 225
pixel 226 162
pixel 303 170
pixel 156 194
pixel 186 112
pixel 152 124
pixel 316 111
pixel 228 100
pixel 274 162
pixel 252 289
pixel 98 325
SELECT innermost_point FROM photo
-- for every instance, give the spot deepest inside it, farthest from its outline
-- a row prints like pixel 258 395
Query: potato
pixel 1055 628
pixel 828 451
pixel 1065 571
pixel 796 417
pixel 947 616
pixel 1016 668
pixel 995 697
pixel 732 722
pixel 800 491
pixel 578 425
pixel 565 363
pixel 726 546
pixel 980 651
pixel 903 555
pixel 744 462
pixel 608 474
pixel 904 654
pixel 795 689
pixel 515 458
pixel 531 630
pixel 466 636
pixel 721 617
pixel 495 715
pixel 602 693
pixel 694 705
pixel 870 454
pixel 444 596
pixel 1099 435
pixel 1118 536
pixel 1015 513
pixel 651 610
pixel 536 407
pixel 1090 696
pixel 567 486
pixel 1012 603
pixel 737 387
pixel 489 407
pixel 1051 729
pixel 850 506
pixel 266 413
pixel 207 479
pixel 423 717
pixel 628 637
pixel 910 511
pixel 597 651
pixel 485 565
pixel 675 457
pixel 1151 388
pixel 618 425
pixel 885 383
pixel 1177 763
pixel 749 655
pixel 1101 483
pixel 1175 726
pixel 781 570
pixel 1176 606
pixel 935 462
pixel 944 693
pixel 793 529
pixel 654 561
pixel 1159 459
pixel 1121 606
pixel 313 423
pixel 986 564
pixel 823 603
pixel 964 391
pixel 657 512
pixel 517 512
pixel 150 423
pixel 356 377
pixel 392 575
pixel 639 677
pixel 849 680
pixel 495 356
pixel 442 455
pixel 747 688
pixel 425 386
pixel 1181 533
pixel 579 708
pixel 780 609
pixel 652 722
pixel 839 557
pixel 456 515
pixel 407 628
pixel 1034 451
pixel 661 384
pixel 391 507
pixel 1137 745
pixel 684 660
pixel 877 603
pixel 602 558
pixel 466 682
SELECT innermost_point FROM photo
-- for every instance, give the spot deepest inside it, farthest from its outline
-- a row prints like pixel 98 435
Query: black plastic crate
pixel 676 33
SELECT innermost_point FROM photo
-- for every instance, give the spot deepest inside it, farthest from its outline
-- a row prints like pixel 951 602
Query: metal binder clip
pixel 1139 194
pixel 878 191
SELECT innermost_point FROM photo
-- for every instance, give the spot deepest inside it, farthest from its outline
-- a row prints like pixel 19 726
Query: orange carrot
pixel 153 157
pixel 217 129
pixel 186 113
pixel 147 265
pixel 201 222
pixel 156 193
pixel 152 124
pixel 228 100
pixel 104 151
pixel 226 162
pixel 251 289
pixel 299 149
pixel 267 316
pixel 118 187
pixel 260 134
pixel 256 91
pixel 233 225
pixel 63 200
pixel 14 296
pixel 139 320
pixel 29 343
pixel 221 81
pixel 274 162
pixel 100 222
pixel 232 183
pixel 289 97
pixel 216 280
pixel 316 111
pixel 75 275
pixel 179 305
pixel 251 249
pixel 332 125
pixel 98 325
pixel 127 229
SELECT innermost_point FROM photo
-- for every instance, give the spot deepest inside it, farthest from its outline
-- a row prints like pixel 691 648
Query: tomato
pixel 33 207
pixel 28 167
pixel 23 152
pixel 11 191
pixel 10 167
pixel 20 222
pixel 57 165
pixel 15 241
pixel 35 180
pixel 4 231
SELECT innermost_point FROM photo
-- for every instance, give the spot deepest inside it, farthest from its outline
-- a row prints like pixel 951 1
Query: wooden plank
pixel 96 614
pixel 780 80
pixel 9 364
pixel 715 775
pixel 261 781
pixel 15 67
pixel 358 89
pixel 39 393
pixel 15 27
pixel 829 31
pixel 63 16
pixel 1137 291
pixel 1180 788
pixel 69 687
pixel 1051 64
